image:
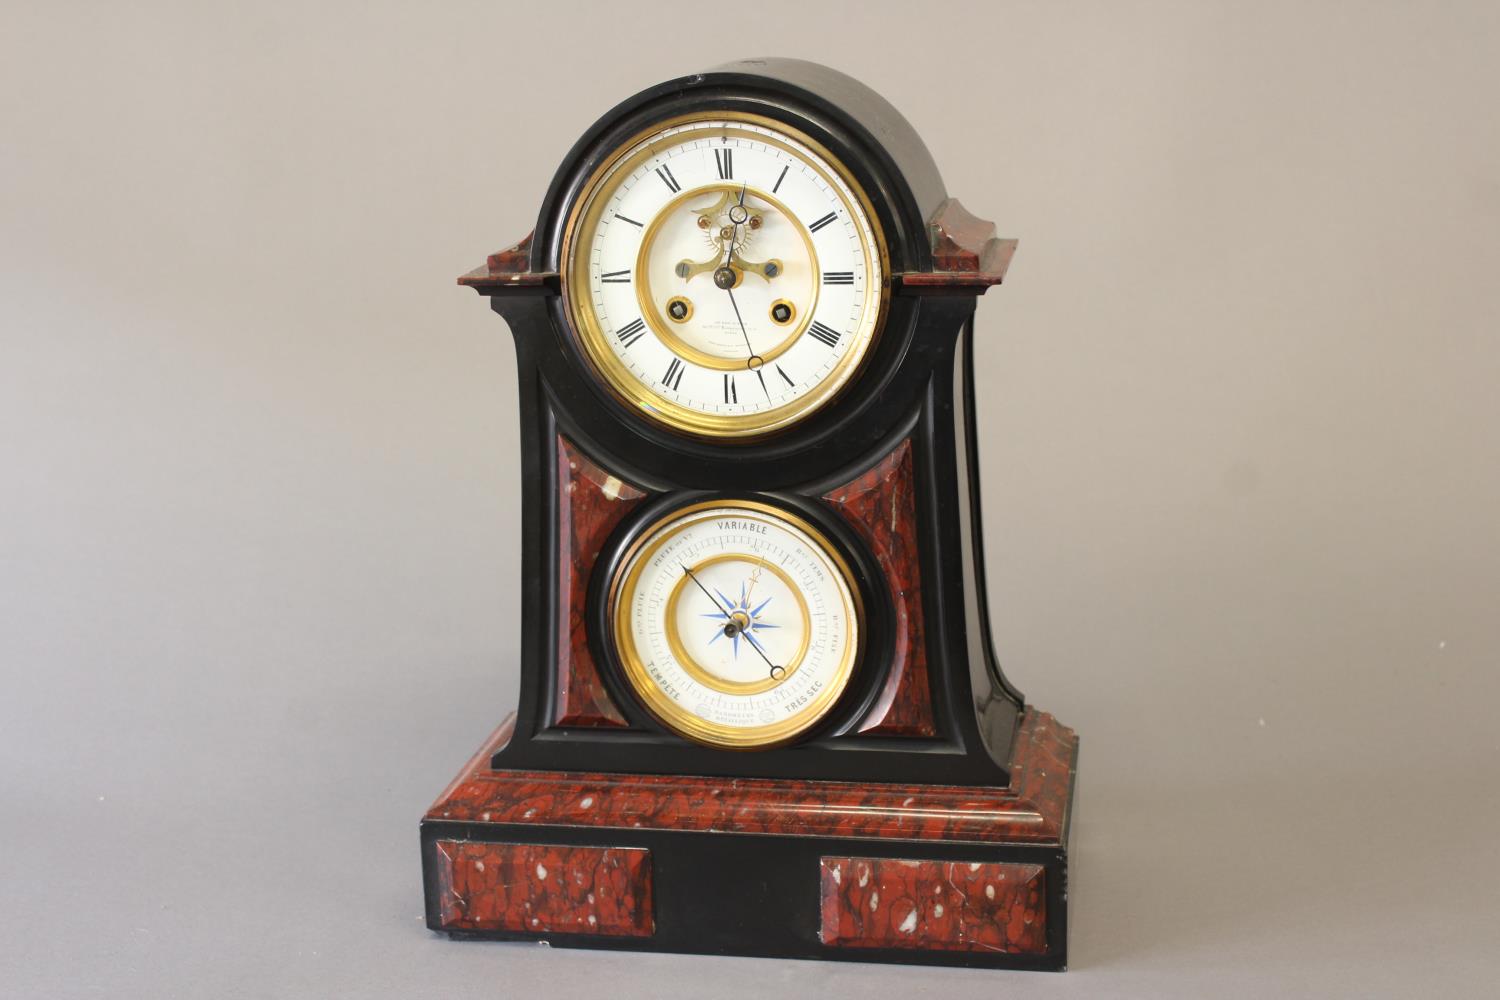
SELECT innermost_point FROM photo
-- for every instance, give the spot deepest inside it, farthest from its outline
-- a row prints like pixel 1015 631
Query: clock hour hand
pixel 739 215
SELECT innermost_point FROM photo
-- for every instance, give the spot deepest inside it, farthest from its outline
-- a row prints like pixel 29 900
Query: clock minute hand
pixel 754 362
pixel 724 277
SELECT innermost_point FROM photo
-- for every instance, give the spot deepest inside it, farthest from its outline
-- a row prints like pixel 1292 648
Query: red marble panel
pixel 966 254
pixel 508 269
pixel 881 507
pixel 934 905
pixel 590 503
pixel 1032 810
pixel 544 889
pixel 512 260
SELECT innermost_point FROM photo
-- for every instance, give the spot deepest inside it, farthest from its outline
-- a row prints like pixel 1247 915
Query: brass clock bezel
pixel 592 342
pixel 677 717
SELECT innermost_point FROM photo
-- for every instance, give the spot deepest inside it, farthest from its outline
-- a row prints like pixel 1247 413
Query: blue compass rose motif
pixel 737 619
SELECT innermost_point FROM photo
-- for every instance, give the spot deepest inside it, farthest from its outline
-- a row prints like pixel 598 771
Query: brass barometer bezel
pixel 678 717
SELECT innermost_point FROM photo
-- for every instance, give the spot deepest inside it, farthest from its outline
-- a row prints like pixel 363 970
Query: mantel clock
pixel 759 709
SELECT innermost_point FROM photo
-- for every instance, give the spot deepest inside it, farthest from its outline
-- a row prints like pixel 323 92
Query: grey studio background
pixel 258 479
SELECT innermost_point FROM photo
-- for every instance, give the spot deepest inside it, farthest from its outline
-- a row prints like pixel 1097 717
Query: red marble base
pixel 780 867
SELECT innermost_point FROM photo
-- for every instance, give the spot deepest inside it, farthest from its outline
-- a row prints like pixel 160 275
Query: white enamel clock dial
pixel 736 624
pixel 724 275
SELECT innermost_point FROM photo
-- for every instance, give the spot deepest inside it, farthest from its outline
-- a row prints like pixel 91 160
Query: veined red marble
pixel 966 254
pixel 544 889
pixel 934 905
pixel 508 270
pixel 590 503
pixel 881 506
pixel 1031 810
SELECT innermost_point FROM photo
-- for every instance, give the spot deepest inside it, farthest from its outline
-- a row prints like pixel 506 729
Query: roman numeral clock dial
pixel 724 276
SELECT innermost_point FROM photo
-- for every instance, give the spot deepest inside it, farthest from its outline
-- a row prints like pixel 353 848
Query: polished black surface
pixel 913 383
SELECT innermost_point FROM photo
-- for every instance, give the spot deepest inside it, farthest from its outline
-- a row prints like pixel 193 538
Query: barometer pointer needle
pixel 753 645
pixel 694 577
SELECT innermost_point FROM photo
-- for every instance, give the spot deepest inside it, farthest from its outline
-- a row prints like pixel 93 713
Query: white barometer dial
pixel 737 624
pixel 724 275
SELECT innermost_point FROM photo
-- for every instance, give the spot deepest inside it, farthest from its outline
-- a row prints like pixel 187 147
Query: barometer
pixel 736 624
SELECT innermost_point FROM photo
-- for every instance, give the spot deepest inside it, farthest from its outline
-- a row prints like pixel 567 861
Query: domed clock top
pixel 726 260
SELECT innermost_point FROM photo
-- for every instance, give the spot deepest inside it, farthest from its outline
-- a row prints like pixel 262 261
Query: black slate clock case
pixel 743 851
pixel 916 381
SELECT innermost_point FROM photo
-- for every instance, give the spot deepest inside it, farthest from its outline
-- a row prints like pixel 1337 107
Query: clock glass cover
pixel 737 624
pixel 724 275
